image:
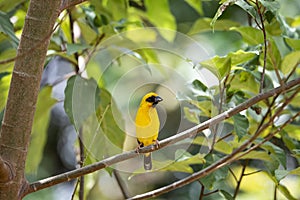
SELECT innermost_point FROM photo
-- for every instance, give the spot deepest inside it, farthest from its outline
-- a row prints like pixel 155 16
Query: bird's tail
pixel 147 161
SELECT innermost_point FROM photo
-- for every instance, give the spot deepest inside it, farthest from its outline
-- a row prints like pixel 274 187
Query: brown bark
pixel 24 88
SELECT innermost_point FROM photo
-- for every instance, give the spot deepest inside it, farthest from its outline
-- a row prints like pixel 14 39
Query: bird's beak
pixel 158 99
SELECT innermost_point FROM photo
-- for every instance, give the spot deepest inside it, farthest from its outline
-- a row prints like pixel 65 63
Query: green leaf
pixel 117 8
pixel 158 13
pixel 82 98
pixel 219 66
pixel 290 61
pixel 203 25
pixel 103 134
pixel 7 28
pixel 73 48
pixel 39 129
pixel 182 154
pixel 288 141
pixel 196 4
pixel 272 6
pixel 4 55
pixel 221 146
pixel 5 78
pixel 192 115
pixel 226 195
pixel 258 155
pixel 283 189
pixel 272 166
pixel 204 106
pixel 250 35
pixel 88 34
pixel 273 56
pixel 247 7
pixel 211 180
pixel 241 125
pixel 220 11
pixel 198 85
pixel 293 131
pixel 245 81
pixel 295 44
pixel 10 5
pixel 287 31
pixel 241 56
pixel 295 171
pixel 280 174
pixel 275 152
pixel 110 119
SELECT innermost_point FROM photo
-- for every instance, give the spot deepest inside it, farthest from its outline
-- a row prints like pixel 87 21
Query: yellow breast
pixel 147 125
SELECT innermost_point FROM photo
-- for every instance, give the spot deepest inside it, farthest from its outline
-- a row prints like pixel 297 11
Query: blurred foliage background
pixel 202 57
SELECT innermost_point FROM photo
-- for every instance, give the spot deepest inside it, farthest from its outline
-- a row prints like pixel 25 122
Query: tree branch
pixel 24 88
pixel 168 141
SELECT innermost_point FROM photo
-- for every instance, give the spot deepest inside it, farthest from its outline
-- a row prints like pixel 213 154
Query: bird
pixel 147 125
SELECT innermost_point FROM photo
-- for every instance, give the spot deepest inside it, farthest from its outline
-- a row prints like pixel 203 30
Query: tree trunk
pixel 22 97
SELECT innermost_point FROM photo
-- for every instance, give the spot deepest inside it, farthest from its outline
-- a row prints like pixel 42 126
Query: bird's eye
pixel 151 99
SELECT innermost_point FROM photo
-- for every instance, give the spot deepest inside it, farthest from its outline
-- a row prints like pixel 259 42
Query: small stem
pixel 251 173
pixel 212 192
pixel 239 181
pixel 121 184
pixel 233 174
pixel 260 14
pixel 275 192
pixel 202 191
pixel 82 159
pixel 224 137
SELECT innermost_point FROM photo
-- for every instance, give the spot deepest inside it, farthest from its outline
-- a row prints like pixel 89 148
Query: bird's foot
pixel 156 143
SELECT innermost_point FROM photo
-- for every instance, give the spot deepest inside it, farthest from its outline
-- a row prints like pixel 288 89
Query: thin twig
pixel 239 181
pixel 262 28
pixel 251 173
pixel 75 189
pixel 121 184
pixel 212 192
pixel 233 174
pixel 82 159
pixel 275 192
pixel 224 137
pixel 201 191
pixel 38 185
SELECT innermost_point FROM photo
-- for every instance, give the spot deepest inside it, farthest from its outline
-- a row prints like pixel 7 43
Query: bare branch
pixel 171 140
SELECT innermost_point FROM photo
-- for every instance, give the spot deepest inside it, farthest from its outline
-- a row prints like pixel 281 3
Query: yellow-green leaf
pixel 39 129
pixel 290 61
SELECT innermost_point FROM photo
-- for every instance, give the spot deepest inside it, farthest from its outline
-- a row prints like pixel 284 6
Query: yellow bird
pixel 147 124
